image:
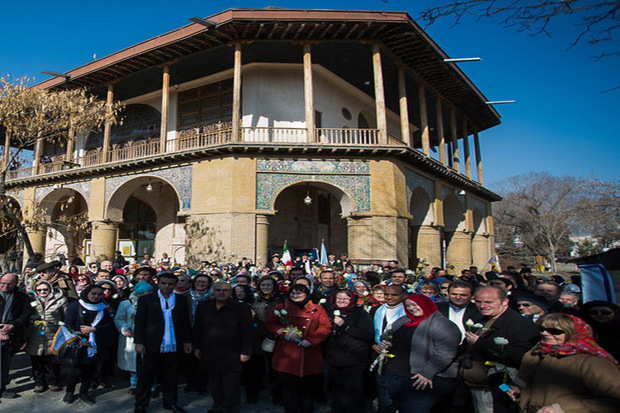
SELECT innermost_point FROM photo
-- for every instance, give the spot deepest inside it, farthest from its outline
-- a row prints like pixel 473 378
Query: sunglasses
pixel 600 312
pixel 524 305
pixel 551 330
pixel 42 290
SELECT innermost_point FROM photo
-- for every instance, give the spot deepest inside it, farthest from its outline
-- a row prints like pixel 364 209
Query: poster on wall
pixel 128 250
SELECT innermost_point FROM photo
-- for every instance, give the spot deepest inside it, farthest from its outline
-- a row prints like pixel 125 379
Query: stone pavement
pixel 114 400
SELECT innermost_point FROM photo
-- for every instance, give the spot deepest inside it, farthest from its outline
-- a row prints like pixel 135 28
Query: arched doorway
pixel 66 214
pixel 146 209
pixel 306 215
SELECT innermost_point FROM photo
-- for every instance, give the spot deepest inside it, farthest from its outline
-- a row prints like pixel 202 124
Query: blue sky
pixel 561 123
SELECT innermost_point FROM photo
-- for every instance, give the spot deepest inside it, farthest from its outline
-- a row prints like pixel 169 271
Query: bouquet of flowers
pixel 387 336
pixel 291 333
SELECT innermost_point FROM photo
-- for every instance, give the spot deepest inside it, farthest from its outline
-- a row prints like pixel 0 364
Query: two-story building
pixel 256 126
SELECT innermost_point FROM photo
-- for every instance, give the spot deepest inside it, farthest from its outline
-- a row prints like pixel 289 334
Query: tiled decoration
pixel 18 195
pixel 180 178
pixel 353 178
pixel 481 206
pixel 415 180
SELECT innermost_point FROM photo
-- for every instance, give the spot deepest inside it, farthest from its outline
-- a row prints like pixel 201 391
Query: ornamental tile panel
pixel 180 178
pixel 313 167
pixel 18 195
pixel 269 185
pixel 414 181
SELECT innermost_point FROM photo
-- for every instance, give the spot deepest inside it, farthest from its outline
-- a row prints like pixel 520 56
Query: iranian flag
pixel 286 255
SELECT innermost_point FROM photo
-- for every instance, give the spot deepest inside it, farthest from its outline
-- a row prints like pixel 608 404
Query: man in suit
pixel 459 308
pixel 15 313
pixel 223 342
pixel 161 331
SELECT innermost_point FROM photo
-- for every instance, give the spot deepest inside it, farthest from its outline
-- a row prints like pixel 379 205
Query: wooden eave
pixel 395 31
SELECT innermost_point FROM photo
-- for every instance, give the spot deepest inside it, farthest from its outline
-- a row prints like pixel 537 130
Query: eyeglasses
pixel 551 330
pixel 600 312
pixel 107 289
pixel 524 305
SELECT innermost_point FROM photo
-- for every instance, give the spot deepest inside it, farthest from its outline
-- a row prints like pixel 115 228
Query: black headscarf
pixel 301 288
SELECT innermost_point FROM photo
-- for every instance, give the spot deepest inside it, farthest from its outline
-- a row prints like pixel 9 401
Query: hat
pixel 142 287
pixel 32 265
pixel 538 300
pixel 47 265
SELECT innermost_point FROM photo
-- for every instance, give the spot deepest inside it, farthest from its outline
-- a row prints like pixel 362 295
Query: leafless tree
pixel 597 21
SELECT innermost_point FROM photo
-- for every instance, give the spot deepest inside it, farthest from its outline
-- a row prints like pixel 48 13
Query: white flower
pixel 365 293
pixel 469 323
pixel 423 260
pixel 501 341
pixel 337 313
pixel 277 313
pixel 61 323
pixel 33 304
pixel 388 327
pixel 284 312
pixel 477 325
pixel 322 301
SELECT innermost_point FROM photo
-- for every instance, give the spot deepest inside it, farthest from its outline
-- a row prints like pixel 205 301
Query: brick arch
pixel 50 199
pixel 453 214
pixel 421 207
pixel 352 191
pixel 118 198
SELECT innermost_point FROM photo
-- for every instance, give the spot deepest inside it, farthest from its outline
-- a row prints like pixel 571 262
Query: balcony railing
pixel 213 135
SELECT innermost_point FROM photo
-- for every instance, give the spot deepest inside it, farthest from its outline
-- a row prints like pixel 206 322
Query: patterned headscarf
pixel 426 304
pixel 582 342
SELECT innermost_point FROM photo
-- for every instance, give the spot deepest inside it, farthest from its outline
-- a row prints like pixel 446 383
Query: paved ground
pixel 112 400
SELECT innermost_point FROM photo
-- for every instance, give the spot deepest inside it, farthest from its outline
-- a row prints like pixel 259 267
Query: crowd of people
pixel 377 339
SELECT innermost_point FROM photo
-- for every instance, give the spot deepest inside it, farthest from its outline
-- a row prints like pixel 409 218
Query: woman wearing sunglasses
pixel 49 308
pixel 604 317
pixel 567 371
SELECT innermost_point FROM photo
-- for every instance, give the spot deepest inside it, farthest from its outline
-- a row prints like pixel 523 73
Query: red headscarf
pixel 426 304
pixel 582 342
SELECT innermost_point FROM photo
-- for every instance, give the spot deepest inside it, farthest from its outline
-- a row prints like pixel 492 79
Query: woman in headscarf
pixel 124 322
pixel 268 297
pixel 50 307
pixel 363 291
pixel 90 319
pixel 604 317
pixel 243 294
pixel 567 371
pixel 348 352
pixel 123 286
pixel 424 344
pixel 73 272
pixel 300 329
pixel 201 289
pixel 185 282
pixel 81 282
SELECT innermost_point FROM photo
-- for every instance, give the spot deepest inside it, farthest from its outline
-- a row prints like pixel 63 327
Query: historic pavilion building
pixel 256 126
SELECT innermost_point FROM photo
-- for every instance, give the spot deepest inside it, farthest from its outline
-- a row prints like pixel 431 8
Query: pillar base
pixel 104 240
pixel 458 251
pixel 426 244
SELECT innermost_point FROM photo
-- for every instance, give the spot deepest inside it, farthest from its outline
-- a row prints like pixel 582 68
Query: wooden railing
pixel 216 134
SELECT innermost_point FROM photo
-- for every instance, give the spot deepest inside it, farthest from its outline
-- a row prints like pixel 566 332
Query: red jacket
pixel 290 357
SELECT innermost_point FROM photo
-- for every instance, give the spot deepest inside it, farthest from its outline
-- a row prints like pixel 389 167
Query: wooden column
pixel 70 146
pixel 440 131
pixel 308 94
pixel 37 155
pixel 466 149
pixel 426 145
pixel 7 150
pixel 379 94
pixel 478 156
pixel 236 108
pixel 165 98
pixel 455 144
pixel 404 108
pixel 107 131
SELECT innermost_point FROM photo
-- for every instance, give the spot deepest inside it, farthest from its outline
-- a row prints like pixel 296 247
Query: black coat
pixel 19 318
pixel 223 334
pixel 105 335
pixel 349 344
pixel 521 333
pixel 471 312
pixel 149 322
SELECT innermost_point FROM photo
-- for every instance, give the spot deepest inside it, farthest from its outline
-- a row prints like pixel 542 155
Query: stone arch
pixel 421 208
pixel 119 196
pixel 344 199
pixel 453 214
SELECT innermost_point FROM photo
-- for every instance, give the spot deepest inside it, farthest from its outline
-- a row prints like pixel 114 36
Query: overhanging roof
pixel 396 31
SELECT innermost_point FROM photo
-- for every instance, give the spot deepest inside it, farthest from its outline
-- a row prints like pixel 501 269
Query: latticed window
pixel 206 105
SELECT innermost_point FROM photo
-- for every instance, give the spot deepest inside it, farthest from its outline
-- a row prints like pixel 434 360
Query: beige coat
pixel 48 314
pixel 580 383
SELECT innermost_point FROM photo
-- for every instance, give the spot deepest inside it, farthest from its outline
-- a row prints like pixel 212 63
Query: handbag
pixel 268 345
pixel 71 354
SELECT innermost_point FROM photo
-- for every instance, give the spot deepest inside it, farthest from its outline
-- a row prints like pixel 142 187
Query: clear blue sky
pixel 561 123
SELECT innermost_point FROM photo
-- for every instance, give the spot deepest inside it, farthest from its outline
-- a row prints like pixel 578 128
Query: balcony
pixel 204 137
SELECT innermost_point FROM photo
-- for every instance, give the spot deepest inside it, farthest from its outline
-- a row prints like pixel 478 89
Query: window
pixel 206 105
